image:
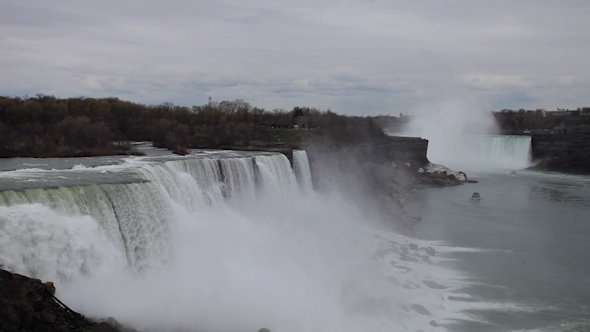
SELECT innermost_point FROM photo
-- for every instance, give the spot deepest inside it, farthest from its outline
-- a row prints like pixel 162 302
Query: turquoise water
pixel 525 247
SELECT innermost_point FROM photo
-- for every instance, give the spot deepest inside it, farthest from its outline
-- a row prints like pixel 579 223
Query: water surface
pixel 525 246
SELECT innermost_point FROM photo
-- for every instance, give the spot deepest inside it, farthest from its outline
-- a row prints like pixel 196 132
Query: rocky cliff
pixel 378 177
pixel 29 305
pixel 562 153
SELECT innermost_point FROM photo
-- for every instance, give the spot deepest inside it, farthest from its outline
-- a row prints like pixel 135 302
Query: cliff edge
pixel 561 153
pixel 379 177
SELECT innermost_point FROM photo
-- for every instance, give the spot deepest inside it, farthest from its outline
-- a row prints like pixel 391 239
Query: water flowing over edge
pixel 246 236
pixel 479 152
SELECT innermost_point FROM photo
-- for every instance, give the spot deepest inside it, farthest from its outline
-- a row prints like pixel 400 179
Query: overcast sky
pixel 354 57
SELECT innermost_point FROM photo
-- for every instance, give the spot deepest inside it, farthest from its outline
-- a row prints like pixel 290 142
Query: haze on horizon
pixel 354 57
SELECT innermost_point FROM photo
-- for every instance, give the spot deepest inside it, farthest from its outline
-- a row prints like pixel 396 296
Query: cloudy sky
pixel 354 57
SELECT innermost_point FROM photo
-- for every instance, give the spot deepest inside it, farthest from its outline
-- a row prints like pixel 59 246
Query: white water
pixel 222 244
pixel 462 137
pixel 301 168
pixel 474 152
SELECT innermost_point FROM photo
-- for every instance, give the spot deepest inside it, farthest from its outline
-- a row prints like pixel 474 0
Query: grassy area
pixel 294 136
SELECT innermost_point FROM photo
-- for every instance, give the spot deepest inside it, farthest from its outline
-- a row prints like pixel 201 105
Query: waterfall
pixel 134 217
pixel 276 172
pixel 472 152
pixel 302 171
pixel 220 241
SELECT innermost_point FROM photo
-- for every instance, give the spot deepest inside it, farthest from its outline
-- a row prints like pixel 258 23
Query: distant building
pixel 560 130
pixel 303 122
pixel 562 112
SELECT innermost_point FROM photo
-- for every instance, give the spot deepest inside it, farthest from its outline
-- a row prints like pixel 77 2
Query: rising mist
pixel 463 136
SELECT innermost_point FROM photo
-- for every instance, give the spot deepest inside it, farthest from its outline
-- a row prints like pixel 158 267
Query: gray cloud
pixel 354 57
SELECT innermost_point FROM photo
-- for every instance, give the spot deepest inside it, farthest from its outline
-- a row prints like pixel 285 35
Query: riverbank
pixel 561 153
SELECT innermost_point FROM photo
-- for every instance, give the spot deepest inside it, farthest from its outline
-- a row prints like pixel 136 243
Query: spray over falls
pixel 472 152
pixel 464 138
pixel 220 243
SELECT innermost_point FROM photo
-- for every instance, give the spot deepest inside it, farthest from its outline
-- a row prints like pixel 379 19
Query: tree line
pixel 523 121
pixel 46 126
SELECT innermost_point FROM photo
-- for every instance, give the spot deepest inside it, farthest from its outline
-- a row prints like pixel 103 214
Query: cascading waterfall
pixel 276 172
pixel 477 152
pixel 229 242
pixel 193 183
pixel 301 169
pixel 137 216
pixel 133 216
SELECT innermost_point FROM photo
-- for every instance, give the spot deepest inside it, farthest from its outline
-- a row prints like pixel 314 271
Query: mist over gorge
pixel 305 229
pixel 321 166
pixel 223 234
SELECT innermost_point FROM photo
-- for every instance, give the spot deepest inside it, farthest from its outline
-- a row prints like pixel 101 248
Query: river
pixel 215 241
pixel 236 241
pixel 524 245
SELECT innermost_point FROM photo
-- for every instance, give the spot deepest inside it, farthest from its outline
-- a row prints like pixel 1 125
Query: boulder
pixel 408 259
pixel 433 284
pixel 405 251
pixel 420 309
pixel 430 251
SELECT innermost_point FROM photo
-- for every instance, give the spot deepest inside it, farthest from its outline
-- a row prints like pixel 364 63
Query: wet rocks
pixel 430 251
pixel 404 251
pixel 28 304
pixel 408 259
pixel 433 284
pixel 420 309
